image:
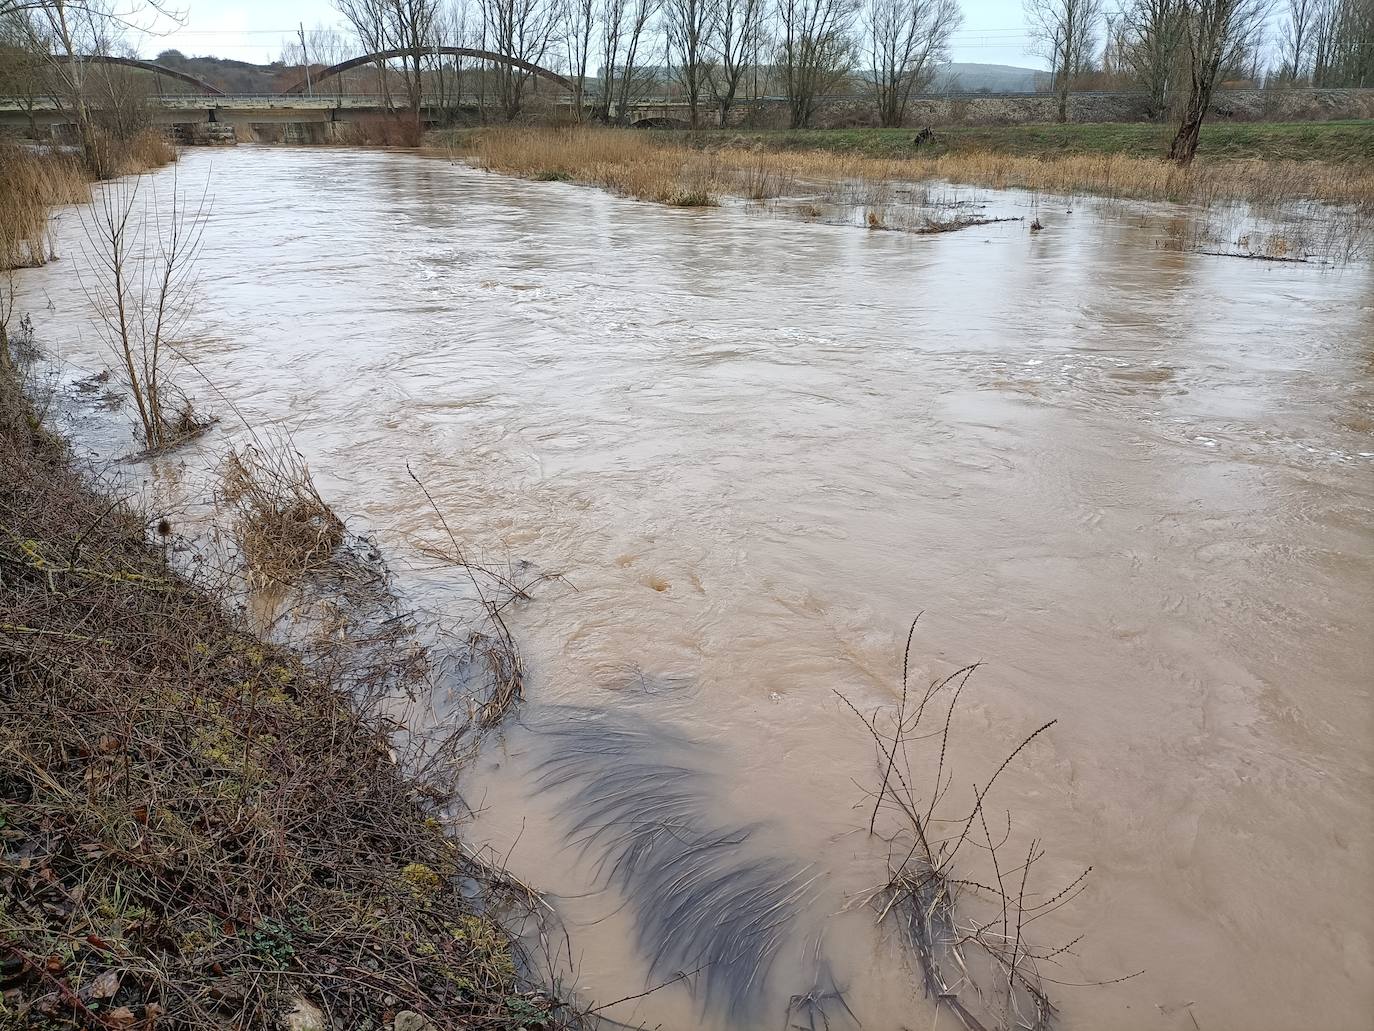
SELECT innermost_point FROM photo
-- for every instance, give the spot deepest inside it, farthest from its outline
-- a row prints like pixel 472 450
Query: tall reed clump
pixel 32 182
pixel 146 149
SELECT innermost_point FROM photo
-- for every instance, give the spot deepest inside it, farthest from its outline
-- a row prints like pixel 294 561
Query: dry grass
pixel 32 182
pixel 650 167
pixel 281 525
pixel 1115 175
pixel 623 162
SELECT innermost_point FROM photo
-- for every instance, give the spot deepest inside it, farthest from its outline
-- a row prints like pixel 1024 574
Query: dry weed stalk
pixel 493 645
pixel 984 970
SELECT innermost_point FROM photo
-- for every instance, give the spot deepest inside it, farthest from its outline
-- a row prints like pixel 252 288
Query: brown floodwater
pixel 1136 483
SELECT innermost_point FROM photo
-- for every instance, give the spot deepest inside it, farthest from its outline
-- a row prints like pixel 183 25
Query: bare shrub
pixel 981 964
pixel 139 277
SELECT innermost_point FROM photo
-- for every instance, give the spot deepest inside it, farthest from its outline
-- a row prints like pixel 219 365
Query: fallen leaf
pixel 104 986
pixel 120 1017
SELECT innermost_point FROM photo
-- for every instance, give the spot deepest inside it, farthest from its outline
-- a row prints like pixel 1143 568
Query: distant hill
pixel 231 76
pixel 965 77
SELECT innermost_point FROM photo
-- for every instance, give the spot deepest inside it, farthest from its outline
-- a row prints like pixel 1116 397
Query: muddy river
pixel 1136 483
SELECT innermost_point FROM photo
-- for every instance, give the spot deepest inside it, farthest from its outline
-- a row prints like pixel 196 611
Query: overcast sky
pixel 253 30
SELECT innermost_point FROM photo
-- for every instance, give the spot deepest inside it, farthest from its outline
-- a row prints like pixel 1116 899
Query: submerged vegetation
pixel 980 963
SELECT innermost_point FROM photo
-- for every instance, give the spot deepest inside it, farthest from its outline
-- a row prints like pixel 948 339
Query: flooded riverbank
pixel 1135 482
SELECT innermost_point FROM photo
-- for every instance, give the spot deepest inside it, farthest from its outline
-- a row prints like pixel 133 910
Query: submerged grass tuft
pixel 282 527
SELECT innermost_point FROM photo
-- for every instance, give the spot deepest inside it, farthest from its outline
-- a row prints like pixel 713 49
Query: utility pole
pixel 305 61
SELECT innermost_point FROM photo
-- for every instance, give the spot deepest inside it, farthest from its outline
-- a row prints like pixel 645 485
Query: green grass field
pixel 1299 141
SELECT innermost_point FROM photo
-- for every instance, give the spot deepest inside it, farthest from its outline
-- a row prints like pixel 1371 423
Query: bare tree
pixel 904 42
pixel 315 50
pixel 1343 44
pixel 520 29
pixel 736 44
pixel 689 25
pixel 1064 31
pixel 67 32
pixel 1217 34
pixel 23 61
pixel 579 31
pixel 1151 44
pixel 815 51
pixel 1295 39
pixel 453 28
pixel 405 25
pixel 368 22
pixel 624 46
pixel 74 34
pixel 412 26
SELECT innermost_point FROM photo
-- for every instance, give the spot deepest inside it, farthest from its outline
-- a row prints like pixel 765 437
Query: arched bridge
pixel 146 66
pixel 387 55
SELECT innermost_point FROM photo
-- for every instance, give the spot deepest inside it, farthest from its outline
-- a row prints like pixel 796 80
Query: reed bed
pixel 623 162
pixel 143 151
pixel 667 170
pixel 32 182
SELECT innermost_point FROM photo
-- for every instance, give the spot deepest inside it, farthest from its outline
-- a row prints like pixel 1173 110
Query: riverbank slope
pixel 196 829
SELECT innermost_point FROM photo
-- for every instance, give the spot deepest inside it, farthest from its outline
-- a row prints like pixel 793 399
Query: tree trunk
pixel 1184 147
pixel 1186 140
